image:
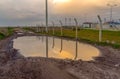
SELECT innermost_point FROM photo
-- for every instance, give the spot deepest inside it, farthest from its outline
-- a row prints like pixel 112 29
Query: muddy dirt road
pixel 15 66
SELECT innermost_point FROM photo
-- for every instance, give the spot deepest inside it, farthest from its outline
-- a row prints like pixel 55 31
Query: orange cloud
pixel 77 6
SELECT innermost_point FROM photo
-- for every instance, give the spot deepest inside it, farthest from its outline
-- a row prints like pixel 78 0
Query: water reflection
pixel 31 46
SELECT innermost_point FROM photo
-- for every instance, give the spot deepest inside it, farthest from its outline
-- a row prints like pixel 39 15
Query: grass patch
pixel 10 31
pixel 6 32
pixel 2 36
pixel 109 38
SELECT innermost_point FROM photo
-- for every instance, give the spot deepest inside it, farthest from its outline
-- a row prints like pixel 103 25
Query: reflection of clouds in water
pixel 62 54
pixel 56 50
pixel 65 54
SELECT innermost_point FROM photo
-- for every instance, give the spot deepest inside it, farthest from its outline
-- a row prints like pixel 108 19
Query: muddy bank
pixel 15 66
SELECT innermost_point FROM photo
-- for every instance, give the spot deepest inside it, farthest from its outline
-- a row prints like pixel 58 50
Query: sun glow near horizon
pixel 76 7
pixel 61 1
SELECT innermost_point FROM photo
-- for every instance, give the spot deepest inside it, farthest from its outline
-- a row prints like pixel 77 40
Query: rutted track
pixel 15 66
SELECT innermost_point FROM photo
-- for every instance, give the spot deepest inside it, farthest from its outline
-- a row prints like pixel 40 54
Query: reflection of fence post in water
pixel 47 46
pixel 76 38
pixel 100 29
pixel 61 36
pixel 53 29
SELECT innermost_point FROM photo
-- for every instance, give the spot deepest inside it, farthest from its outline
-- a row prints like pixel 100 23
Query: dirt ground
pixel 15 66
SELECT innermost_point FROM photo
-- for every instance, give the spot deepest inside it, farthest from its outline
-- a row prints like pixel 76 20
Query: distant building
pixel 89 25
pixel 111 25
pixel 106 26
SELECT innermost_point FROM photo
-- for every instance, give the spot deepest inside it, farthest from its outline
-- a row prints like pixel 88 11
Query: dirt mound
pixel 15 66
pixel 32 68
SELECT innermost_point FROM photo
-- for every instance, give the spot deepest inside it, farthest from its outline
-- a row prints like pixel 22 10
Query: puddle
pixel 35 46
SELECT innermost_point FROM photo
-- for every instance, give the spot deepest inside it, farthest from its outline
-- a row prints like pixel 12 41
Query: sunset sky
pixel 32 12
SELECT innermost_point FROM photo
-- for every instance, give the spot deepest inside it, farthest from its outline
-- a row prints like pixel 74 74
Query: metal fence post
pixel 100 29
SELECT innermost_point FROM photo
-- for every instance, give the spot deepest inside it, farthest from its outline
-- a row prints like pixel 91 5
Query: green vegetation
pixel 5 32
pixel 10 31
pixel 2 36
pixel 109 38
pixel 28 29
pixel 92 35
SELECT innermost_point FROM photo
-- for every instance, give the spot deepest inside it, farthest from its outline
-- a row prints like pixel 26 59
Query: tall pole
pixel 111 10
pixel 111 13
pixel 76 38
pixel 46 11
pixel 46 16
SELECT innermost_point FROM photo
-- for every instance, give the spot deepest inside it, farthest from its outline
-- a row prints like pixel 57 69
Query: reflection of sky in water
pixel 31 46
